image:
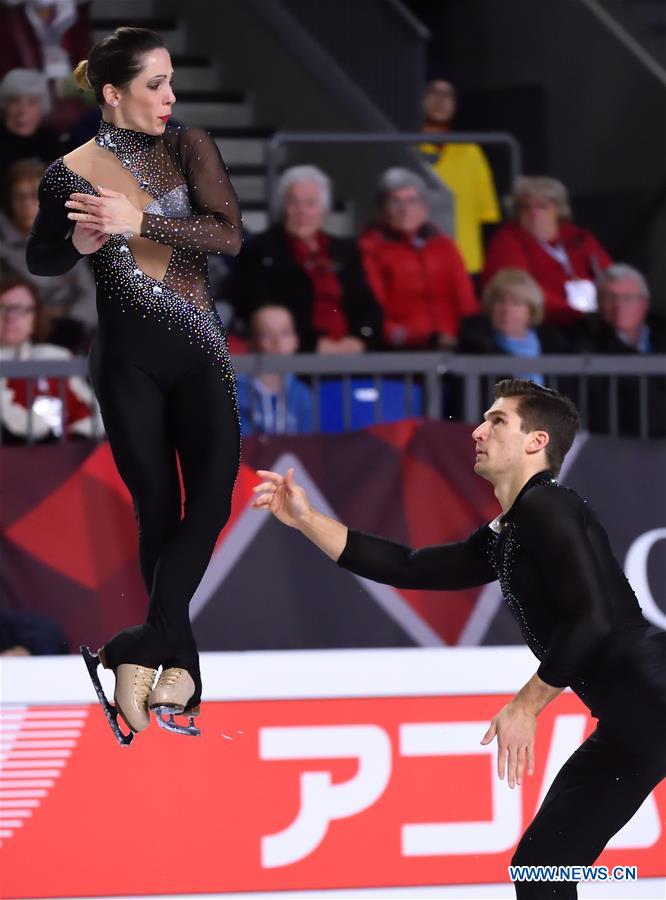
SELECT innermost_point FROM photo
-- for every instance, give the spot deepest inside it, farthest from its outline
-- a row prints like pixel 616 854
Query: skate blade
pixel 165 719
pixel 92 661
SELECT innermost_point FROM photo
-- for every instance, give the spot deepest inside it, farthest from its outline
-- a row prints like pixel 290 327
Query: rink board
pixel 316 770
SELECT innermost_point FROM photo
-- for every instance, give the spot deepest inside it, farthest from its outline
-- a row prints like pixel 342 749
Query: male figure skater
pixel 576 610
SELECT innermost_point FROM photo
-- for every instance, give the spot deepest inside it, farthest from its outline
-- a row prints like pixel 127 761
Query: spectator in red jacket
pixel 564 259
pixel 53 411
pixel 416 273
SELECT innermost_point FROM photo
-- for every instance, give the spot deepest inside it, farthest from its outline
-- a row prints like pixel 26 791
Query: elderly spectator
pixel 541 239
pixel 624 324
pixel 273 403
pixel 417 273
pixel 54 411
pixel 319 278
pixel 463 168
pixel 25 103
pixel 511 322
pixel 69 299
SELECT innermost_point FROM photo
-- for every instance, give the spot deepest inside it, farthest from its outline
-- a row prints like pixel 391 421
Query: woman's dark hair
pixel 542 409
pixel 116 59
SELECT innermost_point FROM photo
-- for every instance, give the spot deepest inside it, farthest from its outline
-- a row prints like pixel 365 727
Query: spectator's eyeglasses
pixel 16 310
pixel 621 298
pixel 405 201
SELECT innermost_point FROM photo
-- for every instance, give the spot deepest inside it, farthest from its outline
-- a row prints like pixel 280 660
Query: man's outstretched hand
pixel 281 495
pixel 289 503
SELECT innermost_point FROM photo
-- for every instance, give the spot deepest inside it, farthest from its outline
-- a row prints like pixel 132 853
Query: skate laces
pixel 143 679
pixel 170 676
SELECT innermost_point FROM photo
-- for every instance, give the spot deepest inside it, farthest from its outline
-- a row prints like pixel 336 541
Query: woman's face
pixel 17 316
pixel 145 104
pixel 303 213
pixel 24 203
pixel 405 210
pixel 539 216
pixel 510 314
pixel 23 114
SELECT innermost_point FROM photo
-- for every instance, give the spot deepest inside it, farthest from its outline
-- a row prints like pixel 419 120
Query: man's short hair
pixel 252 321
pixel 543 409
pixel 620 271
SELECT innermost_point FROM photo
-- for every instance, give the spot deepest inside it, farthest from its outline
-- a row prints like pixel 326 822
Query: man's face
pixel 500 444
pixel 623 304
pixel 439 102
pixel 273 331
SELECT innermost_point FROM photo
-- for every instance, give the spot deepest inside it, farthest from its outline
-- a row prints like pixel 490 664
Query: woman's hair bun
pixel 81 75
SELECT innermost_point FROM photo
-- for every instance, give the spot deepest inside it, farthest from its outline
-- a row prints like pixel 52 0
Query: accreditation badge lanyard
pixel 581 292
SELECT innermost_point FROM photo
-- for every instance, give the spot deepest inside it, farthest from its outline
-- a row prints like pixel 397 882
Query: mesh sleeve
pixel 216 227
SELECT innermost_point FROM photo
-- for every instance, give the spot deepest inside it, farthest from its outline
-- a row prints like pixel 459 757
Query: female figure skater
pixel 148 202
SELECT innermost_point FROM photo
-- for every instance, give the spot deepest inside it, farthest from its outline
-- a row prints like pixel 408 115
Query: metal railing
pixel 431 371
pixel 280 138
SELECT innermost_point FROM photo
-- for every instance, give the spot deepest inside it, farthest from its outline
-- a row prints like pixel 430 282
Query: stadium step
pixel 201 101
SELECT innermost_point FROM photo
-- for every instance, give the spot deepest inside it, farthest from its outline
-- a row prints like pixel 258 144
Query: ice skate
pixel 169 698
pixel 133 685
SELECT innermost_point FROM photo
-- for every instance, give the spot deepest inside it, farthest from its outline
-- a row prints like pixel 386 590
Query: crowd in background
pixel 533 284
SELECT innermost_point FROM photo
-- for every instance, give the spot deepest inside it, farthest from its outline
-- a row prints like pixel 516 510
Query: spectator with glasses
pixel 40 410
pixel 416 272
pixel 68 299
pixel 624 325
pixel 541 239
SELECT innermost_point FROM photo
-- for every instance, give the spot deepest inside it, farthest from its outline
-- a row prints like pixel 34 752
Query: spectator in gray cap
pixel 24 104
pixel 416 273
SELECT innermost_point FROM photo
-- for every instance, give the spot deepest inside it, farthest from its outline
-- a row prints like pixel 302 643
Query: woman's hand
pixel 87 239
pixel 110 213
pixel 281 495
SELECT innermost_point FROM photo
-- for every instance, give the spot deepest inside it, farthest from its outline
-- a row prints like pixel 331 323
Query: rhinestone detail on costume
pixel 177 304
pixel 507 550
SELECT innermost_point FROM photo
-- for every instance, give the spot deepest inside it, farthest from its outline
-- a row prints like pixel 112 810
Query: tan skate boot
pixel 169 698
pixel 133 687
